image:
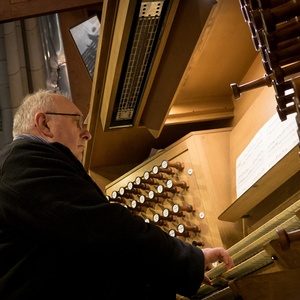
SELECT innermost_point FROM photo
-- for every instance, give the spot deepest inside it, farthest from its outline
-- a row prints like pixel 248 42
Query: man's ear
pixel 41 125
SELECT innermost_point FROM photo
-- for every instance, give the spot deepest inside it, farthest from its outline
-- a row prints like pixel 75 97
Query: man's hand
pixel 212 255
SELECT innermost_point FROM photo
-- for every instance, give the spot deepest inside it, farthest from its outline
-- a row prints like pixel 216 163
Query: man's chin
pixel 79 156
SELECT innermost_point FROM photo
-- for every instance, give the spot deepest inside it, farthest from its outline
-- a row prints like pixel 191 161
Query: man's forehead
pixel 59 98
pixel 63 102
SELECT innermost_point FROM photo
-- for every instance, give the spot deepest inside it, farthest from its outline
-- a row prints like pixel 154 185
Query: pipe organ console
pixel 184 188
pixel 174 189
pixel 274 28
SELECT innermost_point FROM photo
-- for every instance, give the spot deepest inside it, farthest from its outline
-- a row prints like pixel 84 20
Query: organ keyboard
pixel 250 254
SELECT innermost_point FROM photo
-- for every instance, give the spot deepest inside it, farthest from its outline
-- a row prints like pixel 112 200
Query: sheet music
pixel 271 143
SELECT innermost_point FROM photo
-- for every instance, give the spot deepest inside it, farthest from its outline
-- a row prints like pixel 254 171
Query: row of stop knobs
pixel 159 179
pixel 164 179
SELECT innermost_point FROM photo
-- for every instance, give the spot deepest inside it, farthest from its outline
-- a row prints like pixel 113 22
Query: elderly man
pixel 59 236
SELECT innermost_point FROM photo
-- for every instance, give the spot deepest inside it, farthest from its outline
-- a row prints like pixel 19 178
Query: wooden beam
pixel 20 9
pixel 104 44
pixel 285 169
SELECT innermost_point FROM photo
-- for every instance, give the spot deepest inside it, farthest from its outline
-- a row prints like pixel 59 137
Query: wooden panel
pixel 285 258
pixel 205 80
pixel 276 202
pixel 279 174
pixel 222 54
pixel 278 282
pixel 183 37
pixel 205 157
pixel 16 9
pixel 115 57
pixel 104 43
pixel 276 285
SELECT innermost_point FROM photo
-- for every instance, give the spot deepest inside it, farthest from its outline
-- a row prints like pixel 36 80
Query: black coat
pixel 61 239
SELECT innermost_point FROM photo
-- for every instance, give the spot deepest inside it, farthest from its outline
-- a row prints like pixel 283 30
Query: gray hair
pixel 40 101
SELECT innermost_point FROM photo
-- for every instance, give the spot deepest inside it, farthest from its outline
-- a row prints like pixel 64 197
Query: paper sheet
pixel 271 143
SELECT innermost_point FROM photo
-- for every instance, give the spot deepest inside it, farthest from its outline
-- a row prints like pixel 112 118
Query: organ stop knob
pixel 161 189
pixel 179 209
pixel 177 165
pixel 182 228
pixel 157 217
pixel 161 176
pixel 173 233
pixel 172 183
pixel 157 170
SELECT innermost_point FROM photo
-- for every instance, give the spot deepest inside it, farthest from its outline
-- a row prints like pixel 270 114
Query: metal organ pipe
pixel 17 76
pixel 35 55
pixel 54 55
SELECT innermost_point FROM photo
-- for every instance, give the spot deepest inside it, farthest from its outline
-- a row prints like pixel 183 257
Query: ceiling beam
pixel 20 9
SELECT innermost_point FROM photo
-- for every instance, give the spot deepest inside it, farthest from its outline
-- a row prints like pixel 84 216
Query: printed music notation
pixel 271 143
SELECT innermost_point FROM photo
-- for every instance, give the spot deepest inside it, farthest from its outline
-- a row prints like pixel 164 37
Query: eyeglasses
pixel 80 121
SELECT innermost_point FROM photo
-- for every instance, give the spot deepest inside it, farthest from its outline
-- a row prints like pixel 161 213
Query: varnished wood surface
pixel 202 100
pixel 18 9
pixel 206 167
pixel 281 282
pixel 278 175
pixel 282 285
